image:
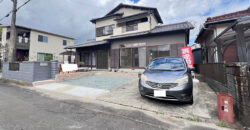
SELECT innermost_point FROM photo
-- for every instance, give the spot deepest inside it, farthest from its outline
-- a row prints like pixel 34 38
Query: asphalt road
pixel 24 109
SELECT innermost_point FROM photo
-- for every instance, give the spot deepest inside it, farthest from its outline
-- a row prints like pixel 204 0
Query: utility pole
pixel 12 44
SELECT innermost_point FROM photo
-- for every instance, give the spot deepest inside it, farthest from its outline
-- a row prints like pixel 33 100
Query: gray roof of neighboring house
pixel 121 5
pixel 87 44
pixel 159 29
pixel 39 31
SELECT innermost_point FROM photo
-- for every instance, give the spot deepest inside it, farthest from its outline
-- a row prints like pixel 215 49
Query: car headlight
pixel 182 80
pixel 144 78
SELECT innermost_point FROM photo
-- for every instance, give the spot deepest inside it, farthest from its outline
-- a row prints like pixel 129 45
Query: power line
pixel 8 14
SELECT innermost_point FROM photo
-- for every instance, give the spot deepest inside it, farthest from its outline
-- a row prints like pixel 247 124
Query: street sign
pixel 187 55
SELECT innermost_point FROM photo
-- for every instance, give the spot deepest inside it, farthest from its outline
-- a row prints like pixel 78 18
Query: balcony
pixel 22 42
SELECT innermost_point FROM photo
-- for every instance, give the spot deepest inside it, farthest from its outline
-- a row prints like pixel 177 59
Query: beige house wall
pixel 145 26
pixel 4 33
pixel 153 21
pixel 221 27
pixel 54 46
pixel 3 42
pixel 129 11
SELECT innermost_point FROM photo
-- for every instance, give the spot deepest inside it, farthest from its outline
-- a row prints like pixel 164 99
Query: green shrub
pixel 48 58
pixel 197 119
pixel 81 64
pixel 26 58
pixel 222 124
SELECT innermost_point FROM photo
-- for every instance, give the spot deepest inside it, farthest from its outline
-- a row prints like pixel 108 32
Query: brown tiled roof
pixel 233 15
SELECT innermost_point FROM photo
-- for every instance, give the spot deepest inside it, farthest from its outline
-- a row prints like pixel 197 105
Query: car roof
pixel 168 57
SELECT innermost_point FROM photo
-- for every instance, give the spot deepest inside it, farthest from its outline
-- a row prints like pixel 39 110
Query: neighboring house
pixel 37 45
pixel 212 28
pixel 131 36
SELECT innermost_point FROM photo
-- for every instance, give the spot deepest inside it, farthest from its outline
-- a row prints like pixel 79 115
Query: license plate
pixel 160 93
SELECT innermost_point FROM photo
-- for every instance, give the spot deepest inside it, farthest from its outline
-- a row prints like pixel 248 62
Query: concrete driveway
pixel 122 89
pixel 204 106
pixel 91 86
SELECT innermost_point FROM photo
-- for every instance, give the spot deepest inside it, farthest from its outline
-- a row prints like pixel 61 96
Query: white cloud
pixel 71 17
pixel 194 10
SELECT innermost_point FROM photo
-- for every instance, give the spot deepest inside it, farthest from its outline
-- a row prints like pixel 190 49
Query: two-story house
pixel 212 28
pixel 131 36
pixel 36 45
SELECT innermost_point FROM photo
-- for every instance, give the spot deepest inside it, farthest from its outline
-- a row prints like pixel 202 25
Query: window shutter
pixel 179 46
pixel 173 50
pixel 115 58
pixel 176 49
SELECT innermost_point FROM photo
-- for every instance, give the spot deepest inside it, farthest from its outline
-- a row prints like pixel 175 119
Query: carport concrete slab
pixel 90 86
pixel 100 81
pixel 204 105
pixel 52 86
pixel 85 91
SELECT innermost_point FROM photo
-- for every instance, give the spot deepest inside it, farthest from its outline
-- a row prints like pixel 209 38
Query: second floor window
pixel 64 42
pixel 42 38
pixel 104 31
pixel 8 36
pixel 131 26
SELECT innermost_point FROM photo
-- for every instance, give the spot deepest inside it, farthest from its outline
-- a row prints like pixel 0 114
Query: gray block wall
pixel 25 72
pixel 30 71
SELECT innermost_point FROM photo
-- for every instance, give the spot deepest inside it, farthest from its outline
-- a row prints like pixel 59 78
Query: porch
pixel 92 54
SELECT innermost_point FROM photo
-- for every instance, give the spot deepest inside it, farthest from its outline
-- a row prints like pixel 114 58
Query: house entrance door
pixel 102 59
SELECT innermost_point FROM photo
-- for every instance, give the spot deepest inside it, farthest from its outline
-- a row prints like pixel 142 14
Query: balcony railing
pixel 23 40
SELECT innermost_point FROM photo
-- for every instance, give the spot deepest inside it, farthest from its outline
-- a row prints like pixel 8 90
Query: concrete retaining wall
pixel 30 71
pixel 238 86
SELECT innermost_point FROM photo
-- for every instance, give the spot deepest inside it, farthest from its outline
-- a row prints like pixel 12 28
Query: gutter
pixel 212 23
pixel 229 27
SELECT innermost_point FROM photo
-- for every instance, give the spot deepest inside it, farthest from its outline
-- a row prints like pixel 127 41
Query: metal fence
pixel 232 78
pixel 215 71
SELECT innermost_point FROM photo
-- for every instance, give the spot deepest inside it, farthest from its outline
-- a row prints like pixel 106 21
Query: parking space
pixel 122 89
pixel 100 81
pixel 204 106
pixel 91 86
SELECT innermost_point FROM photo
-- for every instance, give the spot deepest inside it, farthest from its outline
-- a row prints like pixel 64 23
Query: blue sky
pixel 71 17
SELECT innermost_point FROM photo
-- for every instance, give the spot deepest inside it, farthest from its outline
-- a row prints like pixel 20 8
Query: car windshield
pixel 167 64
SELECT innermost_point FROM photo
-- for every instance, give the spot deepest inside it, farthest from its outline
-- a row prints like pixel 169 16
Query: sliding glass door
pixel 133 57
